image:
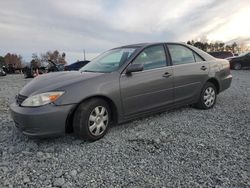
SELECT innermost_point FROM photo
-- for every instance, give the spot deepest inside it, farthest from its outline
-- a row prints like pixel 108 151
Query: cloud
pixel 70 26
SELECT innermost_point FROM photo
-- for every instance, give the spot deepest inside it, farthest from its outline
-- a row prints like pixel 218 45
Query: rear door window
pixel 182 55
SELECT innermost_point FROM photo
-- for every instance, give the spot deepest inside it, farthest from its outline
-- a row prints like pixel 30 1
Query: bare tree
pixel 13 61
pixel 234 47
pixel 54 56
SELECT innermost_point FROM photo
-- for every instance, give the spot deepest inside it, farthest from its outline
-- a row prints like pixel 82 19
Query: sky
pixel 70 26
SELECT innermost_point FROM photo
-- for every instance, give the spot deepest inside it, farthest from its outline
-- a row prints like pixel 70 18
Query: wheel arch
pixel 113 108
pixel 216 84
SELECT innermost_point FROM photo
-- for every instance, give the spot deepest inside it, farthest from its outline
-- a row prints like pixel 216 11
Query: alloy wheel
pixel 98 120
pixel 209 97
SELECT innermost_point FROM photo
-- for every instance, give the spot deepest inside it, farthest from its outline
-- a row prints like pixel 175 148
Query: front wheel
pixel 92 119
pixel 207 97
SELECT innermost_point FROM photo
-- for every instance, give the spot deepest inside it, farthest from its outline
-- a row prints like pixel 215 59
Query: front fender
pixel 106 86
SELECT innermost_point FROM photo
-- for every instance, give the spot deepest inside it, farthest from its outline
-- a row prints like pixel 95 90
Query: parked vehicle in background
pixel 9 70
pixel 221 55
pixel 2 72
pixel 28 72
pixel 76 66
pixel 240 62
pixel 55 67
pixel 31 72
pixel 121 84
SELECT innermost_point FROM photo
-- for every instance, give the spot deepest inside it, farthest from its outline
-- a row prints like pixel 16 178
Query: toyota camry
pixel 121 84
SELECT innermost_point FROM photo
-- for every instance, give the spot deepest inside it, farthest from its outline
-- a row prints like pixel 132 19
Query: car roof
pixel 203 54
pixel 140 45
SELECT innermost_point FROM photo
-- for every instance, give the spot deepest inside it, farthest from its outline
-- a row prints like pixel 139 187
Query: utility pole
pixel 84 54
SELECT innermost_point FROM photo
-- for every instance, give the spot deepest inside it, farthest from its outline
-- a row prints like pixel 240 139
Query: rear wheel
pixel 237 66
pixel 208 97
pixel 92 119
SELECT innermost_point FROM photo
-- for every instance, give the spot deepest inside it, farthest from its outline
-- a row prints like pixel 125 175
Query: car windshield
pixel 109 61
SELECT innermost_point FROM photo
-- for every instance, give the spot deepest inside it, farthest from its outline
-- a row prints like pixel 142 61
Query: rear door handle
pixel 204 68
pixel 167 74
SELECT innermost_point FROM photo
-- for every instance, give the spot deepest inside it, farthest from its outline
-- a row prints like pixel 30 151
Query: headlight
pixel 42 99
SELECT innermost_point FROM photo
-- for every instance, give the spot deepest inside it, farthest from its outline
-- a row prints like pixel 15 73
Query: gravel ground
pixel 185 147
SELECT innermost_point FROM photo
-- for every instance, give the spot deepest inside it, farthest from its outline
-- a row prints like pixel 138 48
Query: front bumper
pixel 43 121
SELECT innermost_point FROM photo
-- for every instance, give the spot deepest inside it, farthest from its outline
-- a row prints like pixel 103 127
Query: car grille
pixel 20 99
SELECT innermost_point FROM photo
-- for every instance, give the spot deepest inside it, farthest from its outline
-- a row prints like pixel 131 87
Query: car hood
pixel 55 81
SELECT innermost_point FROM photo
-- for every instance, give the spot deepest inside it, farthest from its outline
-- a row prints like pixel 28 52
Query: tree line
pixel 12 61
pixel 216 46
pixel 43 58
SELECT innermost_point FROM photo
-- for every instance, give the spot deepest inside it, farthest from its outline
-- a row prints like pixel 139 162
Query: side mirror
pixel 134 68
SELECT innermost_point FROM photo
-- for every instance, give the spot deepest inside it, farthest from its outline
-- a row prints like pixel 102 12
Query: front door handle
pixel 167 74
pixel 204 68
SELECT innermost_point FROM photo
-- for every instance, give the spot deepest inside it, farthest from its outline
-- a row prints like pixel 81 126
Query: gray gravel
pixel 185 147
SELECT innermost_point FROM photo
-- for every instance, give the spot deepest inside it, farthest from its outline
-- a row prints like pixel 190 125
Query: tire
pixel 237 66
pixel 92 119
pixel 209 93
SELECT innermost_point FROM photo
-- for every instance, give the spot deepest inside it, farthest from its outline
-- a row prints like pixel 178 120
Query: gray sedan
pixel 121 84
